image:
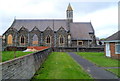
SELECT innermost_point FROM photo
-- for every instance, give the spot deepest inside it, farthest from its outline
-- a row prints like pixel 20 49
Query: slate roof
pixel 79 30
pixel 41 24
pixel 115 36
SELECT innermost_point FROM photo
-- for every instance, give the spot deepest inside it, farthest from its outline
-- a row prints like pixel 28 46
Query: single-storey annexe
pixel 112 46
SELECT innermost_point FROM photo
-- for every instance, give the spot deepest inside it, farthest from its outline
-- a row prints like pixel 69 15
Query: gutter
pixel 112 41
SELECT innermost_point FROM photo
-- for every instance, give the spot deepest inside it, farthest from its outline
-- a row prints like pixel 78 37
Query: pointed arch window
pixel 35 39
pixel 10 39
pixel 48 39
pixel 22 39
pixel 61 39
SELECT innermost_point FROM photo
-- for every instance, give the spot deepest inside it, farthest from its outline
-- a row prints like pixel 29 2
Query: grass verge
pixel 60 65
pixel 99 59
pixel 116 71
pixel 8 55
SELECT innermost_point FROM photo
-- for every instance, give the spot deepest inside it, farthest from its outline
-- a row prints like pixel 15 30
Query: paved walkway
pixel 96 72
pixel 110 67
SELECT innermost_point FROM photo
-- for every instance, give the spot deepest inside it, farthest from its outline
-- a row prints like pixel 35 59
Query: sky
pixel 102 14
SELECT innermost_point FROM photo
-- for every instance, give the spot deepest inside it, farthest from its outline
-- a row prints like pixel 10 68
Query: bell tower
pixel 69 13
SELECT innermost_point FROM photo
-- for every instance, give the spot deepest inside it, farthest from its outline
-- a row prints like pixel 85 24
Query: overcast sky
pixel 103 14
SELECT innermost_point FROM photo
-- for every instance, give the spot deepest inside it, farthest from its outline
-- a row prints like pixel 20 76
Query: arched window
pixel 48 39
pixel 35 39
pixel 61 39
pixel 10 39
pixel 22 39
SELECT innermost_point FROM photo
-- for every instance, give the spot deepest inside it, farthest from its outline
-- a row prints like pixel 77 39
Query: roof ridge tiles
pixel 40 19
pixel 81 22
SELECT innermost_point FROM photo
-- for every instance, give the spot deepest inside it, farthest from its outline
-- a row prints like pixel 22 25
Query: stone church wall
pixel 45 34
pixel 42 35
pixel 31 34
pixel 24 67
pixel 23 32
pixel 61 32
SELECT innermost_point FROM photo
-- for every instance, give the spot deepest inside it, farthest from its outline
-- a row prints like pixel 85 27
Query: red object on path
pixel 38 48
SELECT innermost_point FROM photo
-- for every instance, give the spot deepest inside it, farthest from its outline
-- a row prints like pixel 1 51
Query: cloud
pixel 26 7
pixel 105 21
pixel 102 15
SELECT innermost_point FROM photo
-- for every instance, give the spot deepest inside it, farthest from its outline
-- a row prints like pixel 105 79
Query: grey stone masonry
pixel 24 67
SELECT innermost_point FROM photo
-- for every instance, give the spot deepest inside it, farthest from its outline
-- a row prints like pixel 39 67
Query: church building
pixel 50 32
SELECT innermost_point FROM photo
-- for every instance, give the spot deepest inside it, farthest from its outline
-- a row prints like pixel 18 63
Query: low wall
pixel 11 48
pixel 79 49
pixel 24 67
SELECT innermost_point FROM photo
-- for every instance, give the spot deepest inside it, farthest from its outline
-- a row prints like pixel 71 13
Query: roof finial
pixel 69 7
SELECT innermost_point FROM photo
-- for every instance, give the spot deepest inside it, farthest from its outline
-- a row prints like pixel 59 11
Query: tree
pixel 13 48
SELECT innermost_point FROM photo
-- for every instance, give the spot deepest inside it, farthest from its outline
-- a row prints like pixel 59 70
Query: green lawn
pixel 8 55
pixel 60 65
pixel 115 71
pixel 99 59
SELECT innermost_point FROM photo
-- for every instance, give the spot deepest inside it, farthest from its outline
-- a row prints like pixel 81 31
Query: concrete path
pixel 93 70
pixel 110 67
